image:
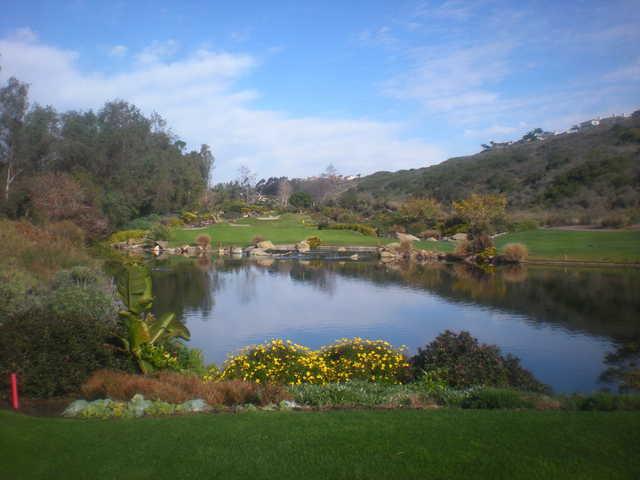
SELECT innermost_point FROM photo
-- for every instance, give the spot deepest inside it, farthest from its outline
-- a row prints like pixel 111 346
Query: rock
pixel 288 405
pixel 265 245
pixel 193 406
pixel 342 249
pixel 354 256
pixel 459 237
pixel 303 246
pixel 222 251
pixel 258 252
pixel 75 408
pixel 392 246
pixel 236 251
pixel 432 239
pixel 162 244
pixel 405 237
pixel 137 405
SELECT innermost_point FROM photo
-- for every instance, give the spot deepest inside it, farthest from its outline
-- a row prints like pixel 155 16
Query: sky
pixel 287 88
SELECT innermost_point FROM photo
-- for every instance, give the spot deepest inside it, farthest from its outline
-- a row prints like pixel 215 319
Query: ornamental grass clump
pixel 371 360
pixel 277 362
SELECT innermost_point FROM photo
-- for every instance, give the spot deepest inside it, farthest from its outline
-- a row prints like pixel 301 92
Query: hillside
pixel 595 168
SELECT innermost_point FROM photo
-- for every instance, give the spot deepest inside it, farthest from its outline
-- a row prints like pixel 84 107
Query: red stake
pixel 14 392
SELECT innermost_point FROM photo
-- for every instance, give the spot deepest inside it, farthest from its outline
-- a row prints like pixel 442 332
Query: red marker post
pixel 14 391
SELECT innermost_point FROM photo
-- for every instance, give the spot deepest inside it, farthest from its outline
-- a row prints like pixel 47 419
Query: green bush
pixel 356 227
pixel 124 235
pixel 464 362
pixel 496 398
pixel 314 242
pixel 159 232
pixel 601 401
pixel 355 393
pixel 142 223
pixel 54 353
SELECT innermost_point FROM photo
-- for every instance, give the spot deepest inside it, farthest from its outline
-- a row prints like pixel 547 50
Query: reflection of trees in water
pixel 180 284
pixel 623 365
pixel 314 273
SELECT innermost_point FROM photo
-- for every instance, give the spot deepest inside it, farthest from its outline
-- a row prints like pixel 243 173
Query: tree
pixel 207 160
pixel 284 192
pixel 330 172
pixel 424 210
pixel 246 180
pixel 481 211
pixel 300 200
pixel 13 108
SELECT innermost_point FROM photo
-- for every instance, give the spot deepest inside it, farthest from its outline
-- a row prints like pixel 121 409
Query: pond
pixel 572 327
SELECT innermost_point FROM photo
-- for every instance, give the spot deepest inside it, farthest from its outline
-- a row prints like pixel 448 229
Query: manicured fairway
pixel 596 246
pixel 402 444
pixel 544 244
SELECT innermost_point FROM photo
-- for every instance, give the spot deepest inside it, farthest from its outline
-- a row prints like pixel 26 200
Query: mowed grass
pixel 589 246
pixel 544 244
pixel 390 444
pixel 287 230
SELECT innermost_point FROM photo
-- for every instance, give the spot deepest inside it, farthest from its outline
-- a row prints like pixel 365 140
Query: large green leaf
pixel 167 327
pixel 134 287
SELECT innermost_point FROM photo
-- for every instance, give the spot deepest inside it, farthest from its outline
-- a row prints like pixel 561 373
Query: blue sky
pixel 288 87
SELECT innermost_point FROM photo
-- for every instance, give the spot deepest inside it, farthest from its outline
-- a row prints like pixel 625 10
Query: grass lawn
pixel 597 246
pixel 341 444
pixel 543 244
pixel 288 229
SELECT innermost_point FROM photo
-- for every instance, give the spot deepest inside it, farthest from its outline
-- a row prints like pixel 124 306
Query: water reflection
pixel 576 328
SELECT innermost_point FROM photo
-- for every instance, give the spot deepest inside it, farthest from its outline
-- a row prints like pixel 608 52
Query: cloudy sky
pixel 288 87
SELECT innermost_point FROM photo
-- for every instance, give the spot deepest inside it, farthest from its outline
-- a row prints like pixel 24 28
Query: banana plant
pixel 142 327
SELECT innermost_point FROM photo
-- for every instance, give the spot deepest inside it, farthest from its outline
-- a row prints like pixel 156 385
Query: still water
pixel 572 327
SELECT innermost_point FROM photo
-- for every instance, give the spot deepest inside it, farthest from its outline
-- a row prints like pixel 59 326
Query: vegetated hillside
pixel 595 168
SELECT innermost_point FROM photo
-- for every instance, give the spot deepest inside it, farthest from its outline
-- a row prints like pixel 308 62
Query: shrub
pixel 142 223
pixel 464 362
pixel 314 242
pixel 430 234
pixel 68 231
pixel 371 360
pixel 356 227
pixel 54 352
pixel 601 401
pixel 494 398
pixel 124 235
pixel 159 232
pixel 177 388
pixel 354 393
pixel 188 217
pixel 277 362
pixel 463 248
pixel 480 243
pixel 204 241
pixel 515 252
pixel 174 222
pixel 613 221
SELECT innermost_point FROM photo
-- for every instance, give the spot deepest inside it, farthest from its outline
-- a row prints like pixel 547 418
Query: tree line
pixel 98 169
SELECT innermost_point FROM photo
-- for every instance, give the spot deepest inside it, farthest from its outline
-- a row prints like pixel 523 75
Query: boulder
pixel 458 237
pixel 342 249
pixel 392 246
pixel 432 239
pixel 303 246
pixel 236 251
pixel 406 237
pixel 258 252
pixel 265 245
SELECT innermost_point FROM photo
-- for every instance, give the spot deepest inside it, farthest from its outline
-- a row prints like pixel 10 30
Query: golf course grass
pixel 341 444
pixel 544 244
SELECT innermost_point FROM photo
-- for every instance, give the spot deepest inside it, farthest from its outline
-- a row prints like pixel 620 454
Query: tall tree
pixel 13 108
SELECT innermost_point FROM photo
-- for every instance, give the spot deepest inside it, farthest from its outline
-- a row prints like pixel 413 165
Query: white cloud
pixel 118 51
pixel 198 97
pixel 158 51
pixel 451 80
